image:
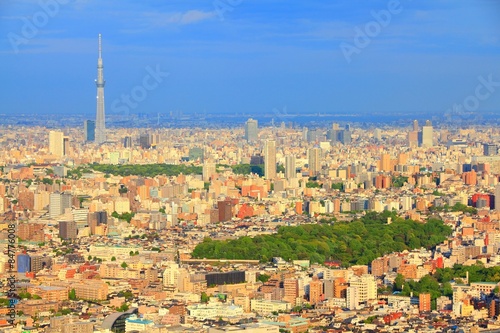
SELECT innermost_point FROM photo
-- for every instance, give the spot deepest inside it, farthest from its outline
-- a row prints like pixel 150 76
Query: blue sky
pixel 248 56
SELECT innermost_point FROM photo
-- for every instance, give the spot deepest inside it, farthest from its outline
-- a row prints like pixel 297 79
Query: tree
pixel 204 297
pixel 113 258
pixel 72 294
pixel 398 282
pixel 124 265
pixel 263 278
pixel 124 307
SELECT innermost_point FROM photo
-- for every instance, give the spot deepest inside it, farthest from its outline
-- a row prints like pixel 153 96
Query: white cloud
pixel 179 18
pixel 194 16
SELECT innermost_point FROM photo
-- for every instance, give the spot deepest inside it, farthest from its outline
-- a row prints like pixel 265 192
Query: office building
pixel 67 229
pixel 145 141
pixel 426 136
pixel 270 159
pixel 56 143
pixel 38 263
pixel 127 142
pixel 290 168
pixel 314 161
pixel 58 202
pixel 490 149
pixel 251 130
pixel 89 130
pixel 209 170
pixel 23 263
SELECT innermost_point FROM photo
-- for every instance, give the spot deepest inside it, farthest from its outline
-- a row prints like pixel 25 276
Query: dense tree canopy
pixel 357 242
pixel 147 170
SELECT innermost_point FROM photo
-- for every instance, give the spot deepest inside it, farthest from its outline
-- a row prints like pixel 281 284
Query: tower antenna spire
pixel 100 46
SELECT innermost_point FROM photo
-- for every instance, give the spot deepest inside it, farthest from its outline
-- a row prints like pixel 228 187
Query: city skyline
pixel 253 58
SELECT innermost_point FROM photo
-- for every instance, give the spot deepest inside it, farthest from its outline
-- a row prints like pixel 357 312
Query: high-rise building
pixel 333 133
pixel 270 159
pixel 67 229
pixel 290 168
pixel 426 137
pixel 415 125
pixel 314 161
pixel 490 149
pixel 385 162
pixel 38 262
pixel 366 287
pixel 171 274
pixel 209 169
pixel 315 290
pixel 251 130
pixel 58 202
pixel 56 143
pixel 100 125
pixel 413 137
pixel 145 141
pixel 127 142
pixel 497 197
pixel 291 290
pixel 345 135
pixel 89 130
pixel 23 263
pixel 225 210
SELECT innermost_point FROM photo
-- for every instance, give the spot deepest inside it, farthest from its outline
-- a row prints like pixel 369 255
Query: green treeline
pixel 477 273
pixel 357 242
pixel 439 284
pixel 153 170
pixel 246 169
pixel 147 170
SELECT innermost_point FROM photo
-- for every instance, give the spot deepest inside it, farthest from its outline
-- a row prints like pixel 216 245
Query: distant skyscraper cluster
pixel 423 138
pixel 335 134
